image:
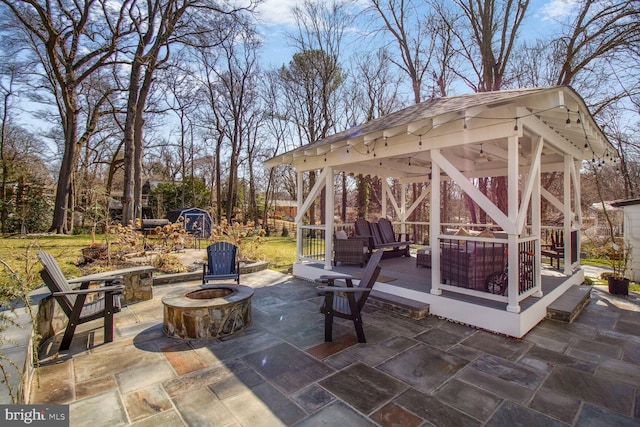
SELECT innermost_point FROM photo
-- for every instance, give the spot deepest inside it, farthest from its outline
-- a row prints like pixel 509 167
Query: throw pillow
pixel 462 232
pixel 341 235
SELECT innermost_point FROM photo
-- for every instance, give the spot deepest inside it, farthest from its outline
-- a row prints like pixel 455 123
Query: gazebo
pixel 516 134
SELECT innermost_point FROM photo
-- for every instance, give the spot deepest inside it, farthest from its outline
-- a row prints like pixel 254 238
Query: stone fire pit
pixel 210 311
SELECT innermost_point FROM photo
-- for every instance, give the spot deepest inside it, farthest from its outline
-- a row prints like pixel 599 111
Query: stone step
pixel 403 306
pixel 570 304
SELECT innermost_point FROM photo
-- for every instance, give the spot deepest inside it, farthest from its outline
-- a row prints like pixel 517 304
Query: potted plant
pixel 619 260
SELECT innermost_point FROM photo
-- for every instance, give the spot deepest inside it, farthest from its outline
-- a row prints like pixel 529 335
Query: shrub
pixel 15 289
pixel 168 263
pixel 246 237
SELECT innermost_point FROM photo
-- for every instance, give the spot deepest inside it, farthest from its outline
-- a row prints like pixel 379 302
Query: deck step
pixel 404 306
pixel 570 304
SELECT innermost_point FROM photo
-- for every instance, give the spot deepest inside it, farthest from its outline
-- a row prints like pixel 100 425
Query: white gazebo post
pixel 328 218
pixel 385 191
pixel 434 228
pixel 512 236
pixel 567 217
pixel 536 223
pixel 299 216
pixel 403 209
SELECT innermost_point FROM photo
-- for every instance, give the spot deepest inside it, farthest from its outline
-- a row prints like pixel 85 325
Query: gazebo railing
pixel 467 264
pixel 312 242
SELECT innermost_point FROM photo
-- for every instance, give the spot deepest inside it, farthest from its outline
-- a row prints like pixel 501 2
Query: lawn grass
pixel 279 251
pixel 67 250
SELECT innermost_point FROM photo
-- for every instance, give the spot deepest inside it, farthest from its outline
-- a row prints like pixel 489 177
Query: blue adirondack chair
pixel 221 263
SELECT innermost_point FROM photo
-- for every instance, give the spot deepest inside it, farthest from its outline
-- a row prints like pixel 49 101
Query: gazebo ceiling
pixel 472 131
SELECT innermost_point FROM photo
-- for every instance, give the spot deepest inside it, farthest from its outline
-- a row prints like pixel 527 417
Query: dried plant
pixel 127 239
pixel 14 291
pixel 246 237
pixel 174 236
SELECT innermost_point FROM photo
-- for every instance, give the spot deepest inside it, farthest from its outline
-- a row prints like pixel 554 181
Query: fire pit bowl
pixel 211 311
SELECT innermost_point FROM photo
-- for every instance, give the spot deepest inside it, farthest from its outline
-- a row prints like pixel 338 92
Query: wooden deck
pixel 401 277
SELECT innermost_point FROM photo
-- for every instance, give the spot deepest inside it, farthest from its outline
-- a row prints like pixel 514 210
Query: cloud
pixel 277 12
pixel 558 9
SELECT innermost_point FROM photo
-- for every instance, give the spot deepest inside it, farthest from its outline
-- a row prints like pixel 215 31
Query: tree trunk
pixel 129 142
pixel 138 143
pixel 63 188
pixel 219 180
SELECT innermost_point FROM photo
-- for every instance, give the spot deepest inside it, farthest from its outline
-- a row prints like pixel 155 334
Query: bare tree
pixel 312 79
pixel 181 88
pixel 231 77
pixel 7 91
pixel 277 130
pixel 492 29
pixel 407 26
pixel 487 35
pixel 159 25
pixel 71 41
pixel 598 30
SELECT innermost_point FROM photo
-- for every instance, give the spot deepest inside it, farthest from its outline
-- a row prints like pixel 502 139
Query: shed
pixel 631 227
pixel 197 221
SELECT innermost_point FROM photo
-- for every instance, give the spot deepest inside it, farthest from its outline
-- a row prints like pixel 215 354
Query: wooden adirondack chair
pixel 221 263
pixel 347 302
pixel 389 236
pixel 74 301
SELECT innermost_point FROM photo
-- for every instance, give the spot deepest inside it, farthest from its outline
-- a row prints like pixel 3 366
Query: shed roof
pixel 623 203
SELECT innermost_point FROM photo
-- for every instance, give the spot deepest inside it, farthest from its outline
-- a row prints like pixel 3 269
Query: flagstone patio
pixel 278 371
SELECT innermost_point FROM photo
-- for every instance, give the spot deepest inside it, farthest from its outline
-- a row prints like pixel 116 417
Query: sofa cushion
pixel 341 234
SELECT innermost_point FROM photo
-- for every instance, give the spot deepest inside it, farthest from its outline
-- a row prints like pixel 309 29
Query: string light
pixel 483 156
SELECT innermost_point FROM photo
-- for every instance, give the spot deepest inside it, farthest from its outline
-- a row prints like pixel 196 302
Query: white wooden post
pixel 536 223
pixel 567 217
pixel 385 190
pixel 434 228
pixel 512 207
pixel 578 208
pixel 299 216
pixel 328 217
pixel 403 209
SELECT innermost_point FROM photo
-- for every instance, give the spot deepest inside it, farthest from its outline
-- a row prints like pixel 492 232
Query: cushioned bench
pixel 382 237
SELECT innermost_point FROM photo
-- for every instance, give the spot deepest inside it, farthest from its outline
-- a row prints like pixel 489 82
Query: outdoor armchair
pixel 74 302
pixel 221 263
pixel 347 302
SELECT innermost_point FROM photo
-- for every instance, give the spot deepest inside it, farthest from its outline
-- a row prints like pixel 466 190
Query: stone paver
pixel 280 372
pixel 363 387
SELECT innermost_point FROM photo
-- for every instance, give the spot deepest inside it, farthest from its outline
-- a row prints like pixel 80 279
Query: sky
pixel 278 19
